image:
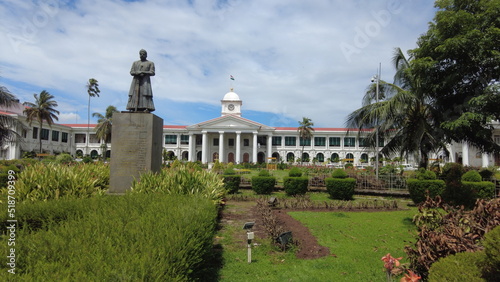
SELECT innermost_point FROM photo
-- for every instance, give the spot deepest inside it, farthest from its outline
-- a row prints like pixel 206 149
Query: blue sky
pixel 290 58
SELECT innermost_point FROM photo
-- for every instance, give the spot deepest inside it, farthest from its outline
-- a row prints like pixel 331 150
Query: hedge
pixel 420 189
pixel 340 188
pixel 136 237
pixel 232 183
pixel 458 267
pixel 479 190
pixel 263 184
pixel 295 185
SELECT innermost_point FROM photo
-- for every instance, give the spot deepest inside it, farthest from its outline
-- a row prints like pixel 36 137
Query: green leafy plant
pixel 263 184
pixel 295 172
pixel 295 185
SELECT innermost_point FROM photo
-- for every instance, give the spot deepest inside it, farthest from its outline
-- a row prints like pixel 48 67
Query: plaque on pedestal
pixel 136 147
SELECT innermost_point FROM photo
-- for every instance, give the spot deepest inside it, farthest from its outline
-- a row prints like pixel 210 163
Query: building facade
pixel 231 138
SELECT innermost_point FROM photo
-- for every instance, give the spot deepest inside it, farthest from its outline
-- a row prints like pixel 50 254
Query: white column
pixel 204 147
pixel 191 149
pixel 238 147
pixel 452 153
pixel 221 147
pixel 465 153
pixel 485 160
pixel 254 149
pixel 269 147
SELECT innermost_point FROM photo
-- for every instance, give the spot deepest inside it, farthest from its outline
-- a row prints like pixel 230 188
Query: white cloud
pixel 283 54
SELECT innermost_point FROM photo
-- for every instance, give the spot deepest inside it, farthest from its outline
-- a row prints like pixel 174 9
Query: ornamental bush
pixel 420 189
pixel 295 185
pixel 295 172
pixel 458 267
pixel 491 245
pixel 472 176
pixel 232 183
pixel 339 173
pixel 340 188
pixel 263 184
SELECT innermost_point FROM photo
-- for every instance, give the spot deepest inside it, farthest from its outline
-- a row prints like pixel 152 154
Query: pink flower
pixel 390 262
pixel 412 277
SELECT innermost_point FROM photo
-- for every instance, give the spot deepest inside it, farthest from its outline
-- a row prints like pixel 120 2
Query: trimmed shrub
pixel 141 237
pixel 423 174
pixel 263 184
pixel 454 193
pixel 487 173
pixel 491 245
pixel 64 158
pixel 264 172
pixel 420 189
pixel 229 171
pixel 339 173
pixel 232 183
pixel 478 190
pixel 295 172
pixel 340 188
pixel 472 176
pixel 295 185
pixel 458 267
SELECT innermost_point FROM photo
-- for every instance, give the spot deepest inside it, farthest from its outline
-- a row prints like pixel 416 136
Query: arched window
pixel 230 157
pixel 349 158
pixel 277 156
pixel 94 154
pixel 290 157
pixel 335 157
pixel 185 155
pixel 364 158
pixel 320 157
pixel 305 157
pixel 215 157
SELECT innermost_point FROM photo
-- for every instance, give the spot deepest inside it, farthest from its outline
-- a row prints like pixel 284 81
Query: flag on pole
pixel 231 77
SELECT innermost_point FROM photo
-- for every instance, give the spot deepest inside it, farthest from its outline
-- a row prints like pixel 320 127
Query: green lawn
pixel 357 242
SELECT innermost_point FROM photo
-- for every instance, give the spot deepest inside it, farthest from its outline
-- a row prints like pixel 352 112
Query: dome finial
pixel 232 89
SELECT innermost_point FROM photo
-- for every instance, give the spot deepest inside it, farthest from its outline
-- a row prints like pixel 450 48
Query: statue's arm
pixel 133 70
pixel 151 71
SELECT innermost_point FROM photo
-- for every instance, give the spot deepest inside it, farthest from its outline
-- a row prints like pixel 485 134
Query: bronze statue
pixel 140 96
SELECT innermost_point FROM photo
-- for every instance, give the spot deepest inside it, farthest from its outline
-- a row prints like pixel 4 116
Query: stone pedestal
pixel 136 147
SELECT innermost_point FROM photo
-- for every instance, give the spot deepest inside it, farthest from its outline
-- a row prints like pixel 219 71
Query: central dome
pixel 231 96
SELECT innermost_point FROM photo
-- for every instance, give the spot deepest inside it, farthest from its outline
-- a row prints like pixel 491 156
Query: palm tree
pixel 42 109
pixel 8 124
pixel 104 123
pixel 92 90
pixel 404 115
pixel 305 130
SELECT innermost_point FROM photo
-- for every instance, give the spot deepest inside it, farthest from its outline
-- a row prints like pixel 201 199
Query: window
pixel 349 158
pixel 199 140
pixel 262 140
pixel 305 142
pixel 35 132
pixel 320 157
pixel 184 139
pixel 230 142
pixel 64 137
pixel 319 141
pixel 381 142
pixel 24 133
pixel 80 138
pixel 171 139
pixel 363 142
pixel 335 157
pixel 497 139
pixel 290 157
pixel 216 142
pixel 305 157
pixel 246 142
pixel 349 142
pixel 364 158
pixel 55 135
pixel 276 140
pixel 290 141
pixel 45 134
pixel 335 141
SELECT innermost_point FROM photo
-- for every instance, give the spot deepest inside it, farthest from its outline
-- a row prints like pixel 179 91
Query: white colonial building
pixel 231 138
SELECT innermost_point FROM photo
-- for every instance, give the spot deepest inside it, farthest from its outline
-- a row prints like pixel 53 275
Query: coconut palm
pixel 42 110
pixel 305 130
pixel 93 91
pixel 104 123
pixel 404 115
pixel 8 124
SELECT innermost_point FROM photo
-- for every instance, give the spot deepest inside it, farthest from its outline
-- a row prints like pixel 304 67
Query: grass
pixel 357 242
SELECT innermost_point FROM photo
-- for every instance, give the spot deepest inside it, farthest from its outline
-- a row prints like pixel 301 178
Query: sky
pixel 289 58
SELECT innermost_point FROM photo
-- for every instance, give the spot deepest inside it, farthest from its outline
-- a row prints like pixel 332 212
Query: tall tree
pixel 42 110
pixel 305 130
pixel 8 124
pixel 404 115
pixel 457 64
pixel 93 91
pixel 104 124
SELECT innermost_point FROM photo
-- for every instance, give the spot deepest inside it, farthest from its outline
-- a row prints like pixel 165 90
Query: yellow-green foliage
pixel 41 182
pixel 181 180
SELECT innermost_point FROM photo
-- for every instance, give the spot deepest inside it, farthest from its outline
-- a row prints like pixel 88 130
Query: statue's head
pixel 143 54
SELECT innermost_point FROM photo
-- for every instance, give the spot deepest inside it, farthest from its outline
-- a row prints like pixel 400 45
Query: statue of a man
pixel 140 96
